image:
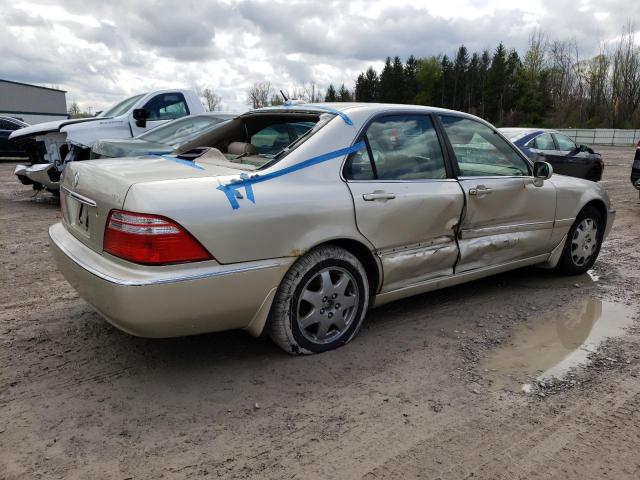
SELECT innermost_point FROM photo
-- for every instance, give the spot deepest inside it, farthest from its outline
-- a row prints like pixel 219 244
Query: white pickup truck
pixel 52 145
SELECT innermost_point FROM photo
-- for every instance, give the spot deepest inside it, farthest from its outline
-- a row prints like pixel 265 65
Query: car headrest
pixel 241 148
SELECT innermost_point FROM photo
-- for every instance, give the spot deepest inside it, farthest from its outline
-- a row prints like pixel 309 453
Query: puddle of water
pixel 549 346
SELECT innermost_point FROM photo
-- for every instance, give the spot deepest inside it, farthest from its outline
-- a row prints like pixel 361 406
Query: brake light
pixel 150 239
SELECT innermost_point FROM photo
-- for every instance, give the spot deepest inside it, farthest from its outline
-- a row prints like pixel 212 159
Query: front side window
pixel 403 147
pixel 544 142
pixel 480 151
pixel 565 144
pixel 166 106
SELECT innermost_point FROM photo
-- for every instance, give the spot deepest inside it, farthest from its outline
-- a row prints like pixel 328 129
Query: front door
pixel 507 218
pixel 160 109
pixel 405 203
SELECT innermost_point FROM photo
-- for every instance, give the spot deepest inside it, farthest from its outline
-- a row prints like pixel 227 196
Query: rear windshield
pixel 183 130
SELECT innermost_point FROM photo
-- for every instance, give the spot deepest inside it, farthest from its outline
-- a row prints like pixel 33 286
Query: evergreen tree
pixel 330 96
pixel 398 82
pixel 367 86
pixel 460 67
pixel 485 65
pixel 386 83
pixel 446 83
pixel 474 87
pixel 344 95
pixel 496 85
pixel 410 80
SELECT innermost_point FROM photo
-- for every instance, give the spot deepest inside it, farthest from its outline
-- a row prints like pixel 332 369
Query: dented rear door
pixel 404 203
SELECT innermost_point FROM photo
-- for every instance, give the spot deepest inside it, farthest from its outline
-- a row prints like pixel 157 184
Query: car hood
pixel 47 127
pixel 130 147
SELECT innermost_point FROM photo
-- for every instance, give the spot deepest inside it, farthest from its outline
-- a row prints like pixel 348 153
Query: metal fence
pixel 602 136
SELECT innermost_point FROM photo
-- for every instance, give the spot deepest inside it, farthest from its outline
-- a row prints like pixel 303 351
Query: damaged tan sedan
pixel 293 221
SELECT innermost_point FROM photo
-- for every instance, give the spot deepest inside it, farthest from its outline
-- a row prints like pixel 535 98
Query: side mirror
pixel 583 148
pixel 541 171
pixel 140 116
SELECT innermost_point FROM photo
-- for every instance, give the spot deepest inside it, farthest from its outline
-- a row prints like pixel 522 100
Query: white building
pixel 32 103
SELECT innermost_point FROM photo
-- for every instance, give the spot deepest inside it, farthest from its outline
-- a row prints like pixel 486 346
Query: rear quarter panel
pixel 291 213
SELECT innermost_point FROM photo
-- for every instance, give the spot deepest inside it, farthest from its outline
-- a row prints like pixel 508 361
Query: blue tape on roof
pixel 231 190
pixel 186 163
pixel 342 115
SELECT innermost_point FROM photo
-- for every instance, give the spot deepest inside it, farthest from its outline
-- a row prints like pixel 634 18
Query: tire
pixel 583 243
pixel 320 303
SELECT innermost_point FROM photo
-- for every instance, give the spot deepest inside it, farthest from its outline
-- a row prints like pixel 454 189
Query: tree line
pixel 549 85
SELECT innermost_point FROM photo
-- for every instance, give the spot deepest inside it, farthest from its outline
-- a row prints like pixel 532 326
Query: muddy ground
pixel 431 388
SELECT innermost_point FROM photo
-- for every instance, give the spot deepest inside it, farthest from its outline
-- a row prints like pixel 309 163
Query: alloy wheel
pixel 584 242
pixel 327 305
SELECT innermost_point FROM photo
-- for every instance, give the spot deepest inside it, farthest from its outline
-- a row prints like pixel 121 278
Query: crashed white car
pixel 52 145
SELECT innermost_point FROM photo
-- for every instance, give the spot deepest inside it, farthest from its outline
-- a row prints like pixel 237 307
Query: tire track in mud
pixel 472 450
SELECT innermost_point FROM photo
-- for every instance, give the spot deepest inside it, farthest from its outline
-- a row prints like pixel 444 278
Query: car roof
pixel 515 134
pixel 12 119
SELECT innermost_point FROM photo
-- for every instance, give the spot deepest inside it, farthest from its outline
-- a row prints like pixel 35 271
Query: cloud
pixel 102 51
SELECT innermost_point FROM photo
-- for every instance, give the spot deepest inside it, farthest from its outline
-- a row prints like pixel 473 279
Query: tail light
pixel 150 240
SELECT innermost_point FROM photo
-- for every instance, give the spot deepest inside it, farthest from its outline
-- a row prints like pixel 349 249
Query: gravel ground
pixel 429 389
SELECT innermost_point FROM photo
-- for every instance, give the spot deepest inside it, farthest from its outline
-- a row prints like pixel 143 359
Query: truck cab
pixel 52 145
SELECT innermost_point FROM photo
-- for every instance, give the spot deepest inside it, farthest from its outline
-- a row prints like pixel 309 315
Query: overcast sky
pixel 103 50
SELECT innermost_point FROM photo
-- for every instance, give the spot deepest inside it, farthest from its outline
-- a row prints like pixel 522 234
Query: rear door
pixel 507 218
pixel 405 201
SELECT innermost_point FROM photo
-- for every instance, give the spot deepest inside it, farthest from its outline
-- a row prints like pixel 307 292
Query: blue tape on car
pixel 186 163
pixel 231 190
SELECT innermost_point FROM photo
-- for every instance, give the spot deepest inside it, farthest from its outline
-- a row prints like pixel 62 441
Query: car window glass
pixel 480 151
pixel 166 106
pixel 545 142
pixel 565 144
pixel 4 125
pixel 121 107
pixel 274 138
pixel 182 130
pixel 404 147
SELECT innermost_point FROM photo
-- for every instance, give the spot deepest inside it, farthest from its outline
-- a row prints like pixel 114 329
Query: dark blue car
pixel 8 125
pixel 560 151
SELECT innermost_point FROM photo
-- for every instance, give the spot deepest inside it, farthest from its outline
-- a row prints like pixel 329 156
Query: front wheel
pixel 583 243
pixel 320 303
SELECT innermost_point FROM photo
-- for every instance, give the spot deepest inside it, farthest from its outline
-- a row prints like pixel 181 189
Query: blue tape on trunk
pixel 231 190
pixel 186 163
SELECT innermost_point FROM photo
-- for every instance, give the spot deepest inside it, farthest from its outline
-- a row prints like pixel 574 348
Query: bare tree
pixel 625 81
pixel 259 94
pixel 212 101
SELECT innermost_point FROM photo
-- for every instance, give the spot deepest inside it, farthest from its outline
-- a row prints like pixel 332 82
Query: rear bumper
pixel 169 301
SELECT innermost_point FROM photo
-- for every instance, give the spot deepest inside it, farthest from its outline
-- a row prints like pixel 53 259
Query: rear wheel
pixel 320 303
pixel 583 242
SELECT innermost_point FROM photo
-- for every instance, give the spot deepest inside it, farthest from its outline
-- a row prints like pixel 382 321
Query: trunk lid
pixel 91 189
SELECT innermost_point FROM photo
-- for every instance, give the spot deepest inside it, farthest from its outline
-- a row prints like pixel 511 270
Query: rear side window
pixel 480 151
pixel 167 106
pixel 544 142
pixel 6 125
pixel 402 147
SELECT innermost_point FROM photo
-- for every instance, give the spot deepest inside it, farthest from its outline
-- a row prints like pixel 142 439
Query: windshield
pixel 182 130
pixel 122 107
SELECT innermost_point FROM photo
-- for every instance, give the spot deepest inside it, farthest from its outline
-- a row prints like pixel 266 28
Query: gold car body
pixel 412 236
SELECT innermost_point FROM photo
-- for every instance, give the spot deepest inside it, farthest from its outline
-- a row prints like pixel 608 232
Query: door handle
pixel 480 190
pixel 378 195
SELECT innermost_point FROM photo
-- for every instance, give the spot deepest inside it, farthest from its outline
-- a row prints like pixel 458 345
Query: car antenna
pixel 286 99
